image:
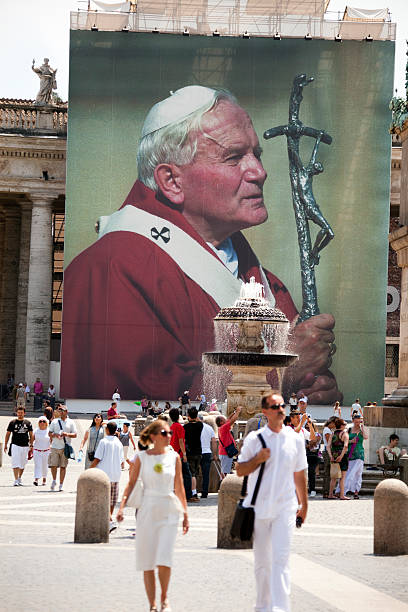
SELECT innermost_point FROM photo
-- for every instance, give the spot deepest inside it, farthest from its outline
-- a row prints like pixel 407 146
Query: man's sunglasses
pixel 165 433
pixel 276 406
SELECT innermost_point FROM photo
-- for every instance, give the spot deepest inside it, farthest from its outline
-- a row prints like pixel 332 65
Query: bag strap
pixel 353 446
pixel 96 441
pixel 258 482
pixel 223 445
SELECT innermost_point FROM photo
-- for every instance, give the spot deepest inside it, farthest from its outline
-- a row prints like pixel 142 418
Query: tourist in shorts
pixel 21 431
pixel 109 458
pixel 41 451
pixel 226 439
pixel 193 431
pixel 61 429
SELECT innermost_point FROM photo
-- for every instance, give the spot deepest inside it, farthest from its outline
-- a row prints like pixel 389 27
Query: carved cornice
pixel 15 186
pixel 399 243
pixel 32 154
pixel 401 131
pixel 43 198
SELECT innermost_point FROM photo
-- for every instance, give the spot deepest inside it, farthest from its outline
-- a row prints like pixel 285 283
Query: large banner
pixel 212 209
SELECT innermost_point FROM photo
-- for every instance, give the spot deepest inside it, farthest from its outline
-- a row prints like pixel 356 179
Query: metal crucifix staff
pixel 304 203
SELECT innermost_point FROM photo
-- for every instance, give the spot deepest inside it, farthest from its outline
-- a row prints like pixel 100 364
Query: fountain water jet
pixel 253 329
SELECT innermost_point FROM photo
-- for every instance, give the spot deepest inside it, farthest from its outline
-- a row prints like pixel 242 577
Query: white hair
pixel 172 144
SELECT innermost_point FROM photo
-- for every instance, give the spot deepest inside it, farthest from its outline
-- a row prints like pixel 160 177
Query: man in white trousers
pixel 282 497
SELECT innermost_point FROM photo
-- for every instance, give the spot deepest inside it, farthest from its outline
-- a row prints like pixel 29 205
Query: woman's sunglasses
pixel 165 433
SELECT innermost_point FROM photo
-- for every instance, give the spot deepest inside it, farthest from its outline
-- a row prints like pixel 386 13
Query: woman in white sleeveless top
pixel 164 501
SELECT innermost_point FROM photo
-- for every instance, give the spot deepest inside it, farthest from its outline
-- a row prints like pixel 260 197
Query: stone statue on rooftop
pixel 47 81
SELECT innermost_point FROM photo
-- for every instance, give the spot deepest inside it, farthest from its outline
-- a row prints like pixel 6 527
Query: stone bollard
pixel 390 518
pixel 1 454
pixel 228 496
pixel 403 462
pixel 92 507
pixel 255 423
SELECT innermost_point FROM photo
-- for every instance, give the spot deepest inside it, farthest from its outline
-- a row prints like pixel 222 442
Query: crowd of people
pixel 178 447
pixel 46 444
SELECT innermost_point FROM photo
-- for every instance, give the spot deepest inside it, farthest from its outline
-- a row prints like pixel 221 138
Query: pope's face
pixel 223 186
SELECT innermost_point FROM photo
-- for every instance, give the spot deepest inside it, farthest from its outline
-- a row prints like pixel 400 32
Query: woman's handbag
pixel 136 496
pixel 243 523
pixel 335 471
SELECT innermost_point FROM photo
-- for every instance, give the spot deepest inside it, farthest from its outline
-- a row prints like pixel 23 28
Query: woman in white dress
pixel 164 501
pixel 41 451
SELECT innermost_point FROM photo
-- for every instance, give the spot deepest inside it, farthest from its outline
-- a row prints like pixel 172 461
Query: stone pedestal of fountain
pixel 247 388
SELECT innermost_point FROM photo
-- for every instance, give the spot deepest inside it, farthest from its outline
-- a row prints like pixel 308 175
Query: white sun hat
pixel 177 107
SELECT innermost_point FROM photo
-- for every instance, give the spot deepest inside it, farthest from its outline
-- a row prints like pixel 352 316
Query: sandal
pixel 153 608
pixel 356 496
pixel 165 607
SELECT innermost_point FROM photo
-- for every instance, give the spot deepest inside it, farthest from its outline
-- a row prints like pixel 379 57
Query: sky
pixel 34 29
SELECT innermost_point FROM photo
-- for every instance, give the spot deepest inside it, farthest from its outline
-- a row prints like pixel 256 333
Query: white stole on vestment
pixel 195 261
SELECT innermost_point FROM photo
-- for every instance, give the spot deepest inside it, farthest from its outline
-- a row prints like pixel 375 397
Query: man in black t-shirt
pixel 185 402
pixel 22 440
pixel 193 431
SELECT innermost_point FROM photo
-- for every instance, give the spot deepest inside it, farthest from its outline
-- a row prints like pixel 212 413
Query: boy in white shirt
pixel 110 459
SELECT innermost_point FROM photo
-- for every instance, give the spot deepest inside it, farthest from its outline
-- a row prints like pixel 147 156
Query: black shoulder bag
pixel 68 450
pixel 231 449
pixel 243 523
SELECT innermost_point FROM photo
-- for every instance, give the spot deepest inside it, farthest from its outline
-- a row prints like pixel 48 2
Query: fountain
pixel 259 333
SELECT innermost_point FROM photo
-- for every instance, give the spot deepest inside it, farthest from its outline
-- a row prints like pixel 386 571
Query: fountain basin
pixel 242 359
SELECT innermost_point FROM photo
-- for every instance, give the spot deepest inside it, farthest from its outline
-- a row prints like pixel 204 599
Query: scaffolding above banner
pixel 277 18
pixel 312 8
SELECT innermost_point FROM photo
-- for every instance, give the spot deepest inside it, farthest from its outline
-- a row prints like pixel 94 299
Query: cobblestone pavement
pixel 333 567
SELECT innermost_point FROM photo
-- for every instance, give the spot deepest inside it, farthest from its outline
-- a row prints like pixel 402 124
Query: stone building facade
pixel 32 207
pixel 394 276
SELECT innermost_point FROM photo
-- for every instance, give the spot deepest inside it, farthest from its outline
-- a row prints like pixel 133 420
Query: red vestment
pixel 133 319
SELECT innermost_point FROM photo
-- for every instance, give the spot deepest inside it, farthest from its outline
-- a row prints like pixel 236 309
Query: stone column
pixel 2 233
pixel 38 335
pixel 21 324
pixel 9 284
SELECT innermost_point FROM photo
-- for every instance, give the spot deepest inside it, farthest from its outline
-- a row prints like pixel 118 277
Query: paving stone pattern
pixel 333 567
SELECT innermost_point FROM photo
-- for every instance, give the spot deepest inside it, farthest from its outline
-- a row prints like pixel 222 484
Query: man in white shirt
pixel 110 459
pixel 283 486
pixel 208 452
pixel 60 430
pixel 356 407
